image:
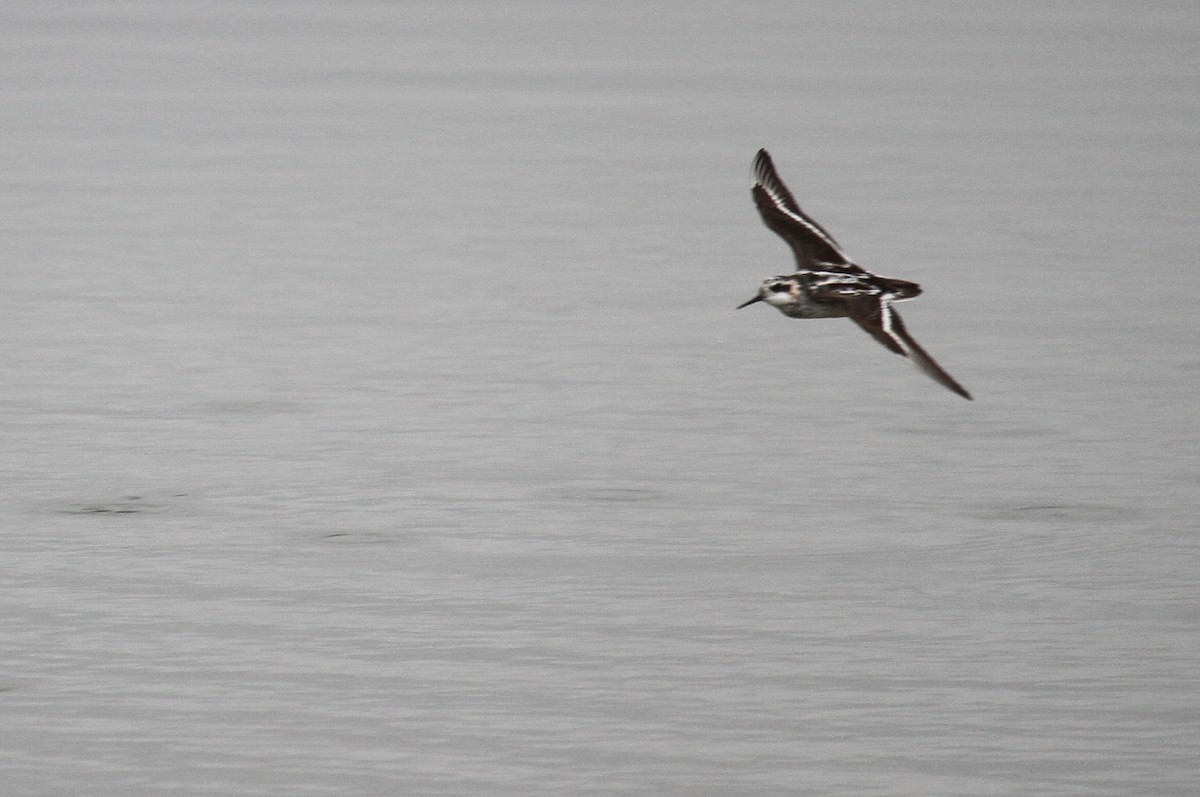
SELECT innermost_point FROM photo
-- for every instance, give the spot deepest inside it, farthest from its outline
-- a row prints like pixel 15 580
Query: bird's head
pixel 776 291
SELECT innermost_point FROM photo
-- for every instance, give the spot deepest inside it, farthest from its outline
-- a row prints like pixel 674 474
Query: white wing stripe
pixel 764 182
pixel 885 318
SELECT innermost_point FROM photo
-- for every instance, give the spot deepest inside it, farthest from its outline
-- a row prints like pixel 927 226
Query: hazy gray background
pixel 375 417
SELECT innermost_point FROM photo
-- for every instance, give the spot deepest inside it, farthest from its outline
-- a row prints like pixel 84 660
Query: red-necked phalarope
pixel 827 284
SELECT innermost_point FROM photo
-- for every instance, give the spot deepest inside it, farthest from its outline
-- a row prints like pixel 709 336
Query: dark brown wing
pixel 783 216
pixel 881 321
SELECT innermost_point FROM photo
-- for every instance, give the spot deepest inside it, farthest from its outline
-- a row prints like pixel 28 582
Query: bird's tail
pixel 901 289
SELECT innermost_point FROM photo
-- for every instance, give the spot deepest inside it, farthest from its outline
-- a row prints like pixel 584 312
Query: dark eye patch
pixel 778 287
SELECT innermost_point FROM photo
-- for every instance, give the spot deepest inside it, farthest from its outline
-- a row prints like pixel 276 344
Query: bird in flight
pixel 827 284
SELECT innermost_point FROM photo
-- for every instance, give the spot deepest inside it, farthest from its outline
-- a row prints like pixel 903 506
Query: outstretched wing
pixel 876 315
pixel 783 216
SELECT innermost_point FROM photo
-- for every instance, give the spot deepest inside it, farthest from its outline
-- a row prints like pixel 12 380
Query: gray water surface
pixel 376 419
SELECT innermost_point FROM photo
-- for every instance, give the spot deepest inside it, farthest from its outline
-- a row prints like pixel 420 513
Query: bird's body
pixel 816 293
pixel 827 284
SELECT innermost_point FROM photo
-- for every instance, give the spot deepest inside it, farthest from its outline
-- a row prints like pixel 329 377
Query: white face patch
pixel 778 291
pixel 779 299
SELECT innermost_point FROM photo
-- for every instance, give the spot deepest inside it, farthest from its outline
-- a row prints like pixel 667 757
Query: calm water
pixel 376 419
